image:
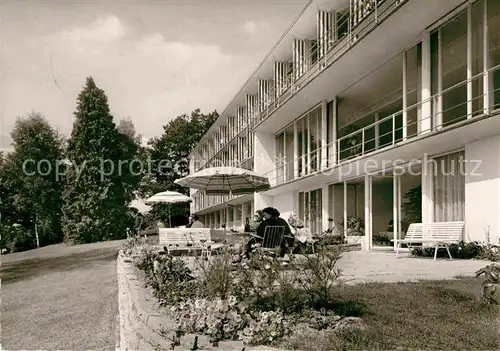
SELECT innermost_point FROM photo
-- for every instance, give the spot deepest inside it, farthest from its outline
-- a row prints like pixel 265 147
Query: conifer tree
pixel 98 191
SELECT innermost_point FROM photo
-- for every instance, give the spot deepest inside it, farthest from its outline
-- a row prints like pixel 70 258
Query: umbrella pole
pixel 169 217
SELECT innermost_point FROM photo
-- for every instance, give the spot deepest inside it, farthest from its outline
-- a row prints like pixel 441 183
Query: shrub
pixel 319 274
pixel 217 318
pixel 355 226
pixel 216 276
pixel 490 253
pixel 170 278
pixel 462 250
pixel 259 301
pixel 381 239
pixel 265 328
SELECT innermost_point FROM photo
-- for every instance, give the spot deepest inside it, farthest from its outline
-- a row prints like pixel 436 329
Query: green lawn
pixel 60 298
pixel 430 315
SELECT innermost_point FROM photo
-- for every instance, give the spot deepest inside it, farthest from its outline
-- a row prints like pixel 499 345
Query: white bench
pixel 182 239
pixel 437 235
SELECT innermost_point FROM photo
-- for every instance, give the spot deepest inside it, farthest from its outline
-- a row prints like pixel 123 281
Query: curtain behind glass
pixel 449 188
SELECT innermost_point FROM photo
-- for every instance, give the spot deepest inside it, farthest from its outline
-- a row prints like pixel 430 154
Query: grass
pixel 60 297
pixel 430 315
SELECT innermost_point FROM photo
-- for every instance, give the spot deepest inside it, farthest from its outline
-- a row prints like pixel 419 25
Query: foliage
pixel 491 282
pixel 168 155
pixel 170 278
pixel 15 238
pixel 216 276
pixel 319 275
pixel 126 126
pixel 412 205
pixel 462 250
pixel 381 239
pixel 100 182
pixel 31 183
pixel 355 226
pixel 258 301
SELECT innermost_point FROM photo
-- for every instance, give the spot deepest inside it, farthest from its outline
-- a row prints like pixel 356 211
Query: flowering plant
pixel 219 319
pixel 265 328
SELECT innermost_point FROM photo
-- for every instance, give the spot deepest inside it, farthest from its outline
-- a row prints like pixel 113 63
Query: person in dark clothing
pixel 271 218
pixel 247 225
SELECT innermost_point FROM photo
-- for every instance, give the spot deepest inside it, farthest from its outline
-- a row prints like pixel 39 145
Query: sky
pixel 155 59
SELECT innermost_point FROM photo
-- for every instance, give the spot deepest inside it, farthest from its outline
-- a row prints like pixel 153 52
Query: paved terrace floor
pixel 384 266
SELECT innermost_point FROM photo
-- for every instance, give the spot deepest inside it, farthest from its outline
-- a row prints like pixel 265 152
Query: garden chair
pixel 272 240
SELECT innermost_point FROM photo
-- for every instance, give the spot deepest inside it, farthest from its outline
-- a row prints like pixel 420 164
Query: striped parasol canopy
pixel 168 197
pixel 225 180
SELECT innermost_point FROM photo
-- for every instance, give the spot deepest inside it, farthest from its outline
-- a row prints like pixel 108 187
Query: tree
pixel 126 126
pixel 31 184
pixel 412 206
pixel 100 181
pixel 169 159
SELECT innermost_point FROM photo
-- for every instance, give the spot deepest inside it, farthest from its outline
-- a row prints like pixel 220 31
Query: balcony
pixel 356 23
pixel 393 133
pixel 352 25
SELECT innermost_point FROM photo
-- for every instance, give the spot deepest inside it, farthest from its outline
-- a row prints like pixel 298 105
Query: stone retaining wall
pixel 141 322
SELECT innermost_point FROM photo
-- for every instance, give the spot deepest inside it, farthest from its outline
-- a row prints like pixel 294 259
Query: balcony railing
pixel 352 27
pixel 366 141
pixel 358 21
pixel 363 142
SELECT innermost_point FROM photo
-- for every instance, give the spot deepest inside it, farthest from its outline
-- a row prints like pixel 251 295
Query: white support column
pixel 334 133
pixel 324 210
pixel 395 208
pixel 425 122
pixel 308 146
pixel 345 209
pixel 244 213
pixel 377 131
pixel 486 65
pixel 324 136
pixel 400 217
pixel 438 110
pixel 331 205
pixel 469 61
pixel 405 98
pixel 235 214
pixel 295 152
pixel 427 190
pixel 368 213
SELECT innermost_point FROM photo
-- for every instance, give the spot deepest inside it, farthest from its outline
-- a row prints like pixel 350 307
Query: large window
pixel 309 130
pixel 378 111
pixel 449 69
pixel 449 64
pixel 331 127
pixel 413 89
pixel 449 188
pixel 308 137
pixel 493 11
pixel 280 158
pixel 310 210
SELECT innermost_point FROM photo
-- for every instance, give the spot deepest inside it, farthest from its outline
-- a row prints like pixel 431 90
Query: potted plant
pixel 491 282
pixel 355 230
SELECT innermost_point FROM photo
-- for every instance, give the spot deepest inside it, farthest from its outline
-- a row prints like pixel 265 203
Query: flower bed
pixel 259 302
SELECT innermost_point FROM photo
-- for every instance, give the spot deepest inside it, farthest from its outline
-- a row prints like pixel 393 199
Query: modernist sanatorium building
pixel 360 102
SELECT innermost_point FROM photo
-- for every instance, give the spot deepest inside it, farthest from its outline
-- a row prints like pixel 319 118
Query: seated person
pixel 271 218
pixel 197 223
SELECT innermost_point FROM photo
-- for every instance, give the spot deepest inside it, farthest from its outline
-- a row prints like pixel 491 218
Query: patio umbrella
pixel 168 197
pixel 225 181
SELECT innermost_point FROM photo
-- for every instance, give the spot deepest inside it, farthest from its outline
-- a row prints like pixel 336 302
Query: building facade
pixel 383 112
